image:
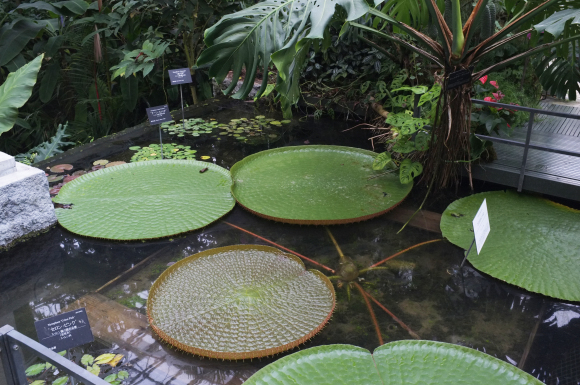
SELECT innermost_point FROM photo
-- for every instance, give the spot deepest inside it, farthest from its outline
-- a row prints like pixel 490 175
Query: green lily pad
pixel 145 200
pixel 239 302
pixel 395 363
pixel 533 242
pixel 315 185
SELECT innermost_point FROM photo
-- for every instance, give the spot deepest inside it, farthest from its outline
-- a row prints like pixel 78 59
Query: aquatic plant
pixel 97 366
pixel 396 363
pixel 253 130
pixel 170 151
pixel 347 275
pixel 193 126
pixel 533 242
pixel 315 185
pixel 239 302
pixel 145 200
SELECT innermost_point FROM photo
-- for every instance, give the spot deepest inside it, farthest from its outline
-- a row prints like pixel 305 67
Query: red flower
pixel 483 79
pixel 494 83
pixel 489 99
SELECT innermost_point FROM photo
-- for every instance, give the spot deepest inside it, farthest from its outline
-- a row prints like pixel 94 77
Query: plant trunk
pixel 450 147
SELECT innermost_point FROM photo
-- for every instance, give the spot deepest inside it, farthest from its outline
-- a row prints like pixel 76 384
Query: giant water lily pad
pixel 396 363
pixel 315 185
pixel 145 200
pixel 533 243
pixel 239 302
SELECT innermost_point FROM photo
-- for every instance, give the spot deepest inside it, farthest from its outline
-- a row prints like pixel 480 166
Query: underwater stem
pixel 372 312
pixel 408 329
pixel 342 257
pixel 401 252
pixel 280 246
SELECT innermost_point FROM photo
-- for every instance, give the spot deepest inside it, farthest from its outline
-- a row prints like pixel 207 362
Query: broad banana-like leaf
pixel 49 81
pixel 276 30
pixel 14 37
pixel 16 91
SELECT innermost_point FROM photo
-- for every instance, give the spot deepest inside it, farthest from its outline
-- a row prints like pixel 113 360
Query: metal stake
pixel 161 141
pixel 182 111
pixel 466 254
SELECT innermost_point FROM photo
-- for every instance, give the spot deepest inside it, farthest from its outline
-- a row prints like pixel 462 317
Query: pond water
pixel 425 288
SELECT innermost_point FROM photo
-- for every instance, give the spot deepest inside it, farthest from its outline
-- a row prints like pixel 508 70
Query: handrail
pixel 13 363
pixel 526 145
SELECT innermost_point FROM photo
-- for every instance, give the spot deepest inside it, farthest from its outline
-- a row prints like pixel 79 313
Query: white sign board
pixel 481 226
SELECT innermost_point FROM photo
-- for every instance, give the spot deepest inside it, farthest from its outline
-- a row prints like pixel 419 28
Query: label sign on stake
pixel 158 115
pixel 180 76
pixel 65 331
pixel 481 226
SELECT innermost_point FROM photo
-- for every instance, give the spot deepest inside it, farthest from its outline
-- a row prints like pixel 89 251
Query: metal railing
pixel 526 145
pixel 11 343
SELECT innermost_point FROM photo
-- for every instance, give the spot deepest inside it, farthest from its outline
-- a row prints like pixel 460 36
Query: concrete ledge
pixel 25 204
pixel 7 164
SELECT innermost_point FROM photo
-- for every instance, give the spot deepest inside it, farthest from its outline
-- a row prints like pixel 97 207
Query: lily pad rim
pixel 384 349
pixel 237 355
pixel 316 222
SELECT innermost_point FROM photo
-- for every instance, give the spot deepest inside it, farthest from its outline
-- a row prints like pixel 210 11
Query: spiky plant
pixel 282 31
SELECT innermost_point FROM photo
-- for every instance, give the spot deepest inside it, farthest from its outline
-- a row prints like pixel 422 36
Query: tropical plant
pixel 228 294
pixel 282 32
pixel 103 365
pixel 47 149
pixel 16 91
pixel 396 363
pixel 104 204
pixel 517 222
pixel 315 184
pixel 347 275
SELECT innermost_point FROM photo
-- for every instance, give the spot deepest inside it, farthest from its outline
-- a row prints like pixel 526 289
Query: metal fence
pixel 11 344
pixel 526 145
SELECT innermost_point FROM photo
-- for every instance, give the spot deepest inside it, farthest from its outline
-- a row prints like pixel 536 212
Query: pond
pixel 425 289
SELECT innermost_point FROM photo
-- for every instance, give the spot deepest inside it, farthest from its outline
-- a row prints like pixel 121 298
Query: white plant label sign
pixel 481 226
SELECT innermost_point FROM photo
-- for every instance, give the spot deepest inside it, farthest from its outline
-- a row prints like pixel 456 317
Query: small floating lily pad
pixel 61 168
pixel 239 302
pixel 170 151
pixel 533 242
pixel 395 363
pixel 315 185
pixel 117 163
pixel 100 162
pixel 145 200
pixel 54 178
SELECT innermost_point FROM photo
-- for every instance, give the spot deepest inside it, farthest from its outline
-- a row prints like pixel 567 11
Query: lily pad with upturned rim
pixel 395 363
pixel 239 302
pixel 144 200
pixel 315 185
pixel 533 242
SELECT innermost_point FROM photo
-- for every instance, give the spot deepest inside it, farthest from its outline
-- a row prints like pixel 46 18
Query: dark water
pixel 424 288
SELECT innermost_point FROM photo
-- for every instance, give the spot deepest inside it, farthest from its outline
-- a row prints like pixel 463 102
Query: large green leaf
pixel 559 76
pixel 395 363
pixel 556 23
pixel 145 200
pixel 14 37
pixel 15 92
pixel 239 302
pixel 272 29
pixel 315 185
pixel 49 81
pixel 533 242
